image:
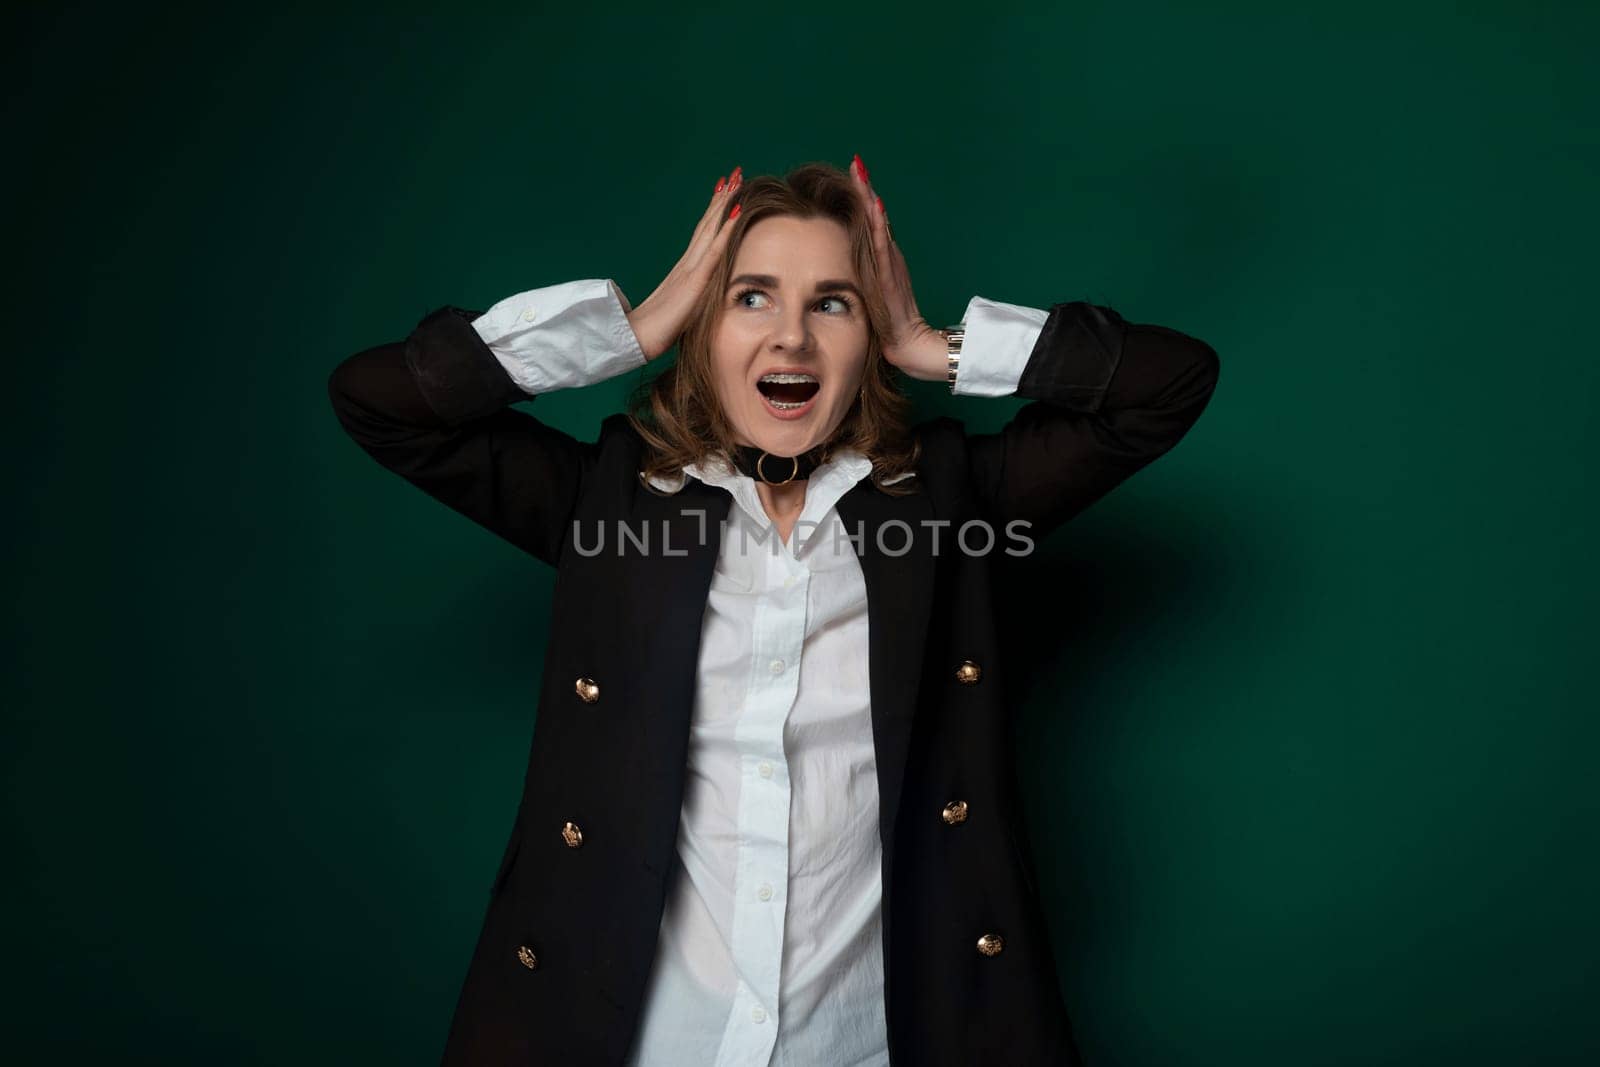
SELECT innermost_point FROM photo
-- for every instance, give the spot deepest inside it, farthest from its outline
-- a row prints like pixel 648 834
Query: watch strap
pixel 954 336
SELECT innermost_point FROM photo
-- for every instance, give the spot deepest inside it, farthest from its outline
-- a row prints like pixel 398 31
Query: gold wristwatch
pixel 953 337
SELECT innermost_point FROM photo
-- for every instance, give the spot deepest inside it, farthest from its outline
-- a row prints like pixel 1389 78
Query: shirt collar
pixel 844 468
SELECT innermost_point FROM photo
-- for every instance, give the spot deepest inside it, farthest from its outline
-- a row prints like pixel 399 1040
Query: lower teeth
pixel 786 405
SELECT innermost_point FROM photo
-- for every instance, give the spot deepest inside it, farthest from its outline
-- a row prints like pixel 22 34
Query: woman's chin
pixel 785 433
pixel 788 442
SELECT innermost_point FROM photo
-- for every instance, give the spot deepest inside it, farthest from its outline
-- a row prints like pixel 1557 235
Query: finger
pixel 897 257
pixel 705 252
pixel 882 240
pixel 872 204
pixel 863 185
pixel 716 207
pixel 717 210
pixel 893 276
pixel 719 242
pixel 858 171
pixel 722 226
pixel 870 200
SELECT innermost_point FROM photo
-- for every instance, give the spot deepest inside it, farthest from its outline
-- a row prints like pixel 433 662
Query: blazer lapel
pixel 668 590
pixel 899 598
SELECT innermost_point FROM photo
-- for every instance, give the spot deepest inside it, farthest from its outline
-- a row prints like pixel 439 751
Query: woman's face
pixel 793 308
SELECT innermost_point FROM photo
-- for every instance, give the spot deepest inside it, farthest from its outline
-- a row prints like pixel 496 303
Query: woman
pixel 770 813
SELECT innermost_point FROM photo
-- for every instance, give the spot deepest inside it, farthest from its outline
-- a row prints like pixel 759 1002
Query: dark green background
pixel 1309 764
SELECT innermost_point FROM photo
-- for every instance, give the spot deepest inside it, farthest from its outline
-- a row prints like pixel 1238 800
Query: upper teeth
pixel 787 378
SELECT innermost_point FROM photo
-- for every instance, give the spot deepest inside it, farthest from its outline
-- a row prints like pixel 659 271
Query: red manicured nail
pixel 720 183
pixel 882 212
pixel 866 177
pixel 735 212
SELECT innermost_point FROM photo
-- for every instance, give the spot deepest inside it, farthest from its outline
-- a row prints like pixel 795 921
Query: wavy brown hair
pixel 677 412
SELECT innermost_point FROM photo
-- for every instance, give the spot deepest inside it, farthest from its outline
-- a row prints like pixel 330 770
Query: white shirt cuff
pixel 562 336
pixel 1000 338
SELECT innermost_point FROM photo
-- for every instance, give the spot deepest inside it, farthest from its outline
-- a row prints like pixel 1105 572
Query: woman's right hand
pixel 659 321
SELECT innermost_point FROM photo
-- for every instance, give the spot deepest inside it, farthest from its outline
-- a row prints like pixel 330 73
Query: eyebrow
pixel 767 281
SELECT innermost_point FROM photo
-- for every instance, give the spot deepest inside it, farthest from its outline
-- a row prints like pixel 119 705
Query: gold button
pixel 529 960
pixel 968 673
pixel 572 835
pixel 587 690
pixel 955 812
pixel 991 944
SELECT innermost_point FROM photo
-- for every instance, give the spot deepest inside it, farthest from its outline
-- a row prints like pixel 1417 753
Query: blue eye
pixel 849 304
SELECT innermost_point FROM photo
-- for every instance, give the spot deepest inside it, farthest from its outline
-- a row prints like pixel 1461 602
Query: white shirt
pixel 770 947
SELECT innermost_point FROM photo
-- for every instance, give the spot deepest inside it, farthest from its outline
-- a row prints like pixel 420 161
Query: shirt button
pixel 529 315
pixel 776 666
pixel 765 768
pixel 788 583
pixel 759 1014
pixel 765 892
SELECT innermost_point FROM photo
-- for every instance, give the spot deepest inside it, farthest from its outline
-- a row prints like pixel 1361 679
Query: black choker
pixel 775 470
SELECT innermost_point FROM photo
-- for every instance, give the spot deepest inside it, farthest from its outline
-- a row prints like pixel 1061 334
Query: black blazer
pixel 559 970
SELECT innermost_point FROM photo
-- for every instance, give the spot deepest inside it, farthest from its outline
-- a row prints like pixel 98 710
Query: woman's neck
pixel 783 504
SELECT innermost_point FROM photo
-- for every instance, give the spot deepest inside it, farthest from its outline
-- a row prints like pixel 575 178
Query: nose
pixel 790 331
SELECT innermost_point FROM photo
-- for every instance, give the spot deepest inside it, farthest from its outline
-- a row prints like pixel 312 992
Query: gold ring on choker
pixel 769 481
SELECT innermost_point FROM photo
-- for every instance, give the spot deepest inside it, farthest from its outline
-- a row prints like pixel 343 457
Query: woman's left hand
pixel 912 345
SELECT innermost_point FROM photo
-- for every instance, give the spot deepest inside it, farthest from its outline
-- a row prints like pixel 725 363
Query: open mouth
pixel 788 391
